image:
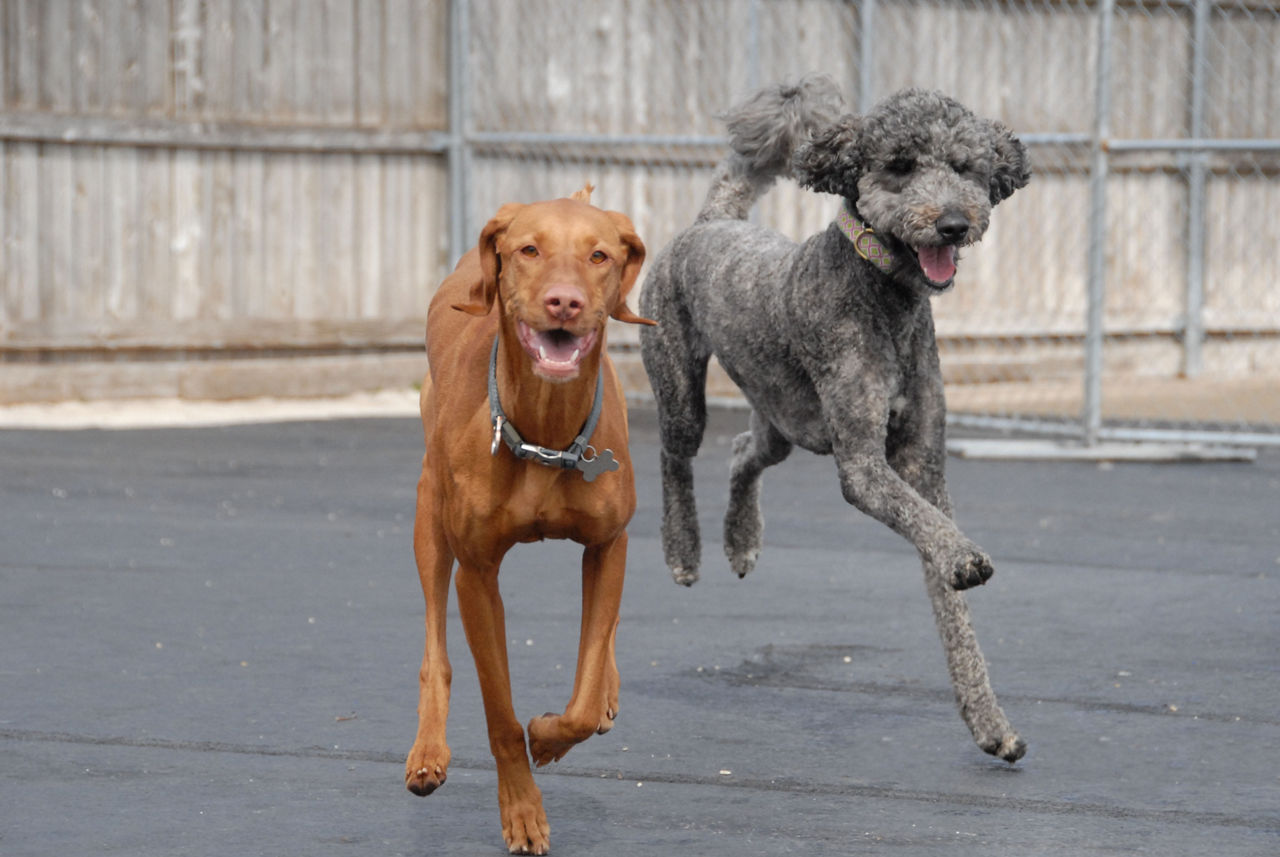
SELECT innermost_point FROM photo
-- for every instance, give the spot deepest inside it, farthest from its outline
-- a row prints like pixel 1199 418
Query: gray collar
pixel 573 458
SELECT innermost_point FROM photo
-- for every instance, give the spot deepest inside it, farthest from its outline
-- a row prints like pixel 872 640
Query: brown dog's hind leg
pixel 524 823
pixel 427 765
pixel 594 703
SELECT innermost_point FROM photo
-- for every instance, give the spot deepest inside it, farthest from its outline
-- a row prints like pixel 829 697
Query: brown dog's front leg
pixel 594 703
pixel 427 765
pixel 524 823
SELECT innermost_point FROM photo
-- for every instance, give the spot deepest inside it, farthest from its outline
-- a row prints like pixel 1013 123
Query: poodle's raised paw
pixel 968 567
pixel 684 576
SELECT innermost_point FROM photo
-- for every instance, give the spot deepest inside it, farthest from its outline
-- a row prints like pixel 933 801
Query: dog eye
pixel 529 250
pixel 598 257
pixel 900 166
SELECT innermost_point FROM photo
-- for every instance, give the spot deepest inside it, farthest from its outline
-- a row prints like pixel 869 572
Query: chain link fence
pixel 1129 292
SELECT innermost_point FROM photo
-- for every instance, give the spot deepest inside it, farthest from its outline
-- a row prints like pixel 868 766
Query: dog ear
pixel 831 160
pixel 1011 170
pixel 583 194
pixel 485 290
pixel 630 268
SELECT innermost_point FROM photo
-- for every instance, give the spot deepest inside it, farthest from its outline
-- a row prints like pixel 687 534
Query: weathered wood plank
pixel 155 260
pixel 397 234
pixel 55 191
pixel 278 71
pixel 212 333
pixel 88 82
pixel 22 252
pixel 249 253
pixel 368 218
pixel 86 263
pixel 10 283
pixel 190 40
pixel 335 62
pixel 249 26
pixel 218 258
pixel 221 60
pixel 155 95
pixel 335 227
pixel 397 59
pixel 188 241
pixel 121 223
pixel 278 228
pixel 304 205
pixel 369 64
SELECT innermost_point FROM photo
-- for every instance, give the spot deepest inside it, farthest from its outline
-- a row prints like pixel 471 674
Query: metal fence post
pixel 1193 328
pixel 1092 413
pixel 459 151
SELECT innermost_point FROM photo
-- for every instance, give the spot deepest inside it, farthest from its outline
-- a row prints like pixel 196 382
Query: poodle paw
pixel 743 563
pixel 970 567
pixel 1011 748
pixel 426 769
pixel 684 576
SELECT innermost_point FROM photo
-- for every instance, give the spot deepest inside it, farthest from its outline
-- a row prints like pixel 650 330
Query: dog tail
pixel 764 130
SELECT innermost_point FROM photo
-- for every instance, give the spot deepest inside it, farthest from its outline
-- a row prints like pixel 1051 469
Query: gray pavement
pixel 209 641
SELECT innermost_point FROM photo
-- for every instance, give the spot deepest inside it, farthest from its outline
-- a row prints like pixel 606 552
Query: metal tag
pixel 497 435
pixel 593 467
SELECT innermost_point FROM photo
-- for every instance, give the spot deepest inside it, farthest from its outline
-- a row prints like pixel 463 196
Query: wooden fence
pixel 190 184
pixel 198 194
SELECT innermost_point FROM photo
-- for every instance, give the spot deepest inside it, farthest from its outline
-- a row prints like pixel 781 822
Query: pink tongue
pixel 939 263
pixel 558 348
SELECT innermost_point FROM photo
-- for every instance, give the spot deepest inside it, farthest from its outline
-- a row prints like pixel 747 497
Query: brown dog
pixel 523 471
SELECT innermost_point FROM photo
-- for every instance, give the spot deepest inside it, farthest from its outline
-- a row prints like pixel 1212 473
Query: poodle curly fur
pixel 835 354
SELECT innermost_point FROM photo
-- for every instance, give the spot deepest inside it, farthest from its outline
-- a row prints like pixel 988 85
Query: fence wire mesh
pixel 1129 291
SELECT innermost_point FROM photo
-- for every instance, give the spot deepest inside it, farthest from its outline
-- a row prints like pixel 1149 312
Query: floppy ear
pixel 630 268
pixel 485 290
pixel 831 160
pixel 1011 170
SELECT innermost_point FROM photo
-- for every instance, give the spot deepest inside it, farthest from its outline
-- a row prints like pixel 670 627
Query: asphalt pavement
pixel 209 640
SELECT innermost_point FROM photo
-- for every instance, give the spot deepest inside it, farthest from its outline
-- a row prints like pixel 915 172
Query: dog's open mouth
pixel 938 264
pixel 556 353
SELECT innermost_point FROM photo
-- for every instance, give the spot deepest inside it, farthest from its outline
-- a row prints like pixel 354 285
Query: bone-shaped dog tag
pixel 591 468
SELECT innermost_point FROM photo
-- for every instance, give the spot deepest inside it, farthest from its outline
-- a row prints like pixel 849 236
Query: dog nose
pixel 564 302
pixel 952 225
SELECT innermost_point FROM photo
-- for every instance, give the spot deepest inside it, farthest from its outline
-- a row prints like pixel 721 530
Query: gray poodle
pixel 831 341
